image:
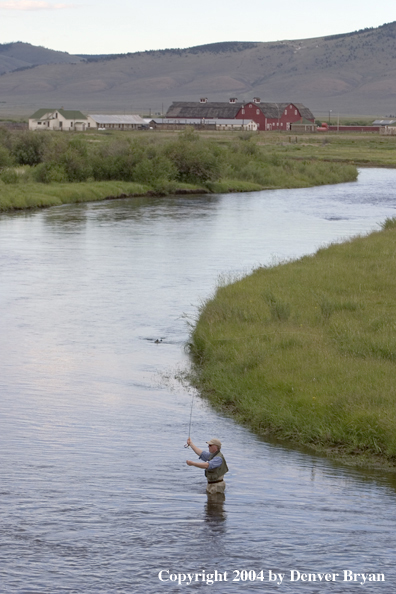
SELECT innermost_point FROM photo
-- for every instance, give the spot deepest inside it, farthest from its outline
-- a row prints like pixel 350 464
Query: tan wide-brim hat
pixel 214 441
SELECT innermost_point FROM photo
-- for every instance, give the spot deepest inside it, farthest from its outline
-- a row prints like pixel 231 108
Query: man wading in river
pixel 213 463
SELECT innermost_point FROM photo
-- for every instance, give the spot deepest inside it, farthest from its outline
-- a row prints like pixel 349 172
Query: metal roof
pixel 211 121
pixel 383 122
pixel 117 119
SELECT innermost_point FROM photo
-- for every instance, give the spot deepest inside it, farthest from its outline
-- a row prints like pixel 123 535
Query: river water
pixel 95 495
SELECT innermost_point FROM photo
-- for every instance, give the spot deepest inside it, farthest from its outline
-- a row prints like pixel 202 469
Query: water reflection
pixel 215 513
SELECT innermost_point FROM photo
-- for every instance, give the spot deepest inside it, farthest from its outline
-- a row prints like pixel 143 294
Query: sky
pixel 121 26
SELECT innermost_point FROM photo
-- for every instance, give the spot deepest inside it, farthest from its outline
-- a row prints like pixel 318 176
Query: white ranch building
pixel 116 122
pixel 59 119
pixel 204 123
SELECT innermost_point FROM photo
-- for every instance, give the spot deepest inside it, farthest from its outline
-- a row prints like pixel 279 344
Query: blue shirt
pixel 213 463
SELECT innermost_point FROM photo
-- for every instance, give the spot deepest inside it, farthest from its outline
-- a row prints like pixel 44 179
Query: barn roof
pixel 305 112
pixel 222 109
pixel 194 109
pixel 117 119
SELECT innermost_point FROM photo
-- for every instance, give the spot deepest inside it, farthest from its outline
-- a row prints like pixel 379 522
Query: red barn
pixel 268 116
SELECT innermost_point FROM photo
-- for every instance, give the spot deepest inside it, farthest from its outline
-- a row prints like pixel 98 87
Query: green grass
pixel 362 149
pixel 34 195
pixel 306 350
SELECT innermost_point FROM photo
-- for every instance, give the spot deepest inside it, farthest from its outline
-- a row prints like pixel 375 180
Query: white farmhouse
pixel 59 119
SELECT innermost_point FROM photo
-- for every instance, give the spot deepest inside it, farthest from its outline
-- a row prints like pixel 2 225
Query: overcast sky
pixel 120 26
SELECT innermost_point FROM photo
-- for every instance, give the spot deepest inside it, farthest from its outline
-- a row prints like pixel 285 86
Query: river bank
pixel 47 169
pixel 305 351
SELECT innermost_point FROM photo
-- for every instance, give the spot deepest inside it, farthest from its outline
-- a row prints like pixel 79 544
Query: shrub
pixel 5 157
pixel 9 176
pixel 195 162
pixel 47 173
pixel 151 171
pixel 29 148
pixel 76 165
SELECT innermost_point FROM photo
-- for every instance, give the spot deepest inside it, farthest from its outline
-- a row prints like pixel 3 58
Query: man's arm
pixel 198 464
pixel 198 451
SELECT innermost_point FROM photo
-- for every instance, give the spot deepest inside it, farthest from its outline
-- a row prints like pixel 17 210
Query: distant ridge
pixel 350 73
pixel 18 56
pixel 214 48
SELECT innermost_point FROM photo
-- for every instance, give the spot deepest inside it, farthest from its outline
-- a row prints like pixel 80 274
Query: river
pixel 95 494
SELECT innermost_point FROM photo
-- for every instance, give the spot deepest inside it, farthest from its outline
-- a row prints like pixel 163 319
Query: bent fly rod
pixel 189 427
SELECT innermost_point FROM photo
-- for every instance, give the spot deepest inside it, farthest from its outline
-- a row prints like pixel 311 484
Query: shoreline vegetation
pixel 40 169
pixel 305 351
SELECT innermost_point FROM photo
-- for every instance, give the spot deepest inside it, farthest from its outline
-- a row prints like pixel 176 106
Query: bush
pixel 195 162
pixel 29 148
pixel 5 157
pixel 47 173
pixel 151 171
pixel 76 166
pixel 9 176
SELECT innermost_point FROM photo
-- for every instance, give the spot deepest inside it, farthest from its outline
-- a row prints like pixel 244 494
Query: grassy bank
pixel 45 169
pixel 306 350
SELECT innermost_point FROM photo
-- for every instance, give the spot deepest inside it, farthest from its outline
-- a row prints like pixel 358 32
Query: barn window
pixel 285 111
pixel 257 111
pixel 295 111
pixel 243 112
pixel 250 105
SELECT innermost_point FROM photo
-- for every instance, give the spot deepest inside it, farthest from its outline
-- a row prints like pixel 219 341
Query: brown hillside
pixel 351 74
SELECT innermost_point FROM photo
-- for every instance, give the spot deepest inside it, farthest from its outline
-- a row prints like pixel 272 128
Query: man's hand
pixel 190 462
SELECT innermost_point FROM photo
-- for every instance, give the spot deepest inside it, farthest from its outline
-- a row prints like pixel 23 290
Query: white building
pixel 116 122
pixel 59 119
pixel 204 123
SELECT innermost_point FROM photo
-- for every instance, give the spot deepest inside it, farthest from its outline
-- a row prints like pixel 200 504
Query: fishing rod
pixel 186 445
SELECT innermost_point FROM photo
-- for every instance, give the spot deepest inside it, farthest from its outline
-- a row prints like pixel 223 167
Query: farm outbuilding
pixel 116 122
pixel 58 119
pixel 203 124
pixel 268 116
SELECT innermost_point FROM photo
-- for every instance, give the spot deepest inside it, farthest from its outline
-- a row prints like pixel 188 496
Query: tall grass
pixel 306 350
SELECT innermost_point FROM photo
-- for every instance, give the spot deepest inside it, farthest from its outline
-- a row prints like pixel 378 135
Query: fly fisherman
pixel 213 463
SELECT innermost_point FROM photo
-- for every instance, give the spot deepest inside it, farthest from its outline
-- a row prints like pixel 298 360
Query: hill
pixel 20 56
pixel 354 73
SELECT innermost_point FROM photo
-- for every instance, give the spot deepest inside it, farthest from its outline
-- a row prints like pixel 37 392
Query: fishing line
pixel 189 427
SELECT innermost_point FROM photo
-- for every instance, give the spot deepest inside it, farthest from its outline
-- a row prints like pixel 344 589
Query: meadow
pixel 305 351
